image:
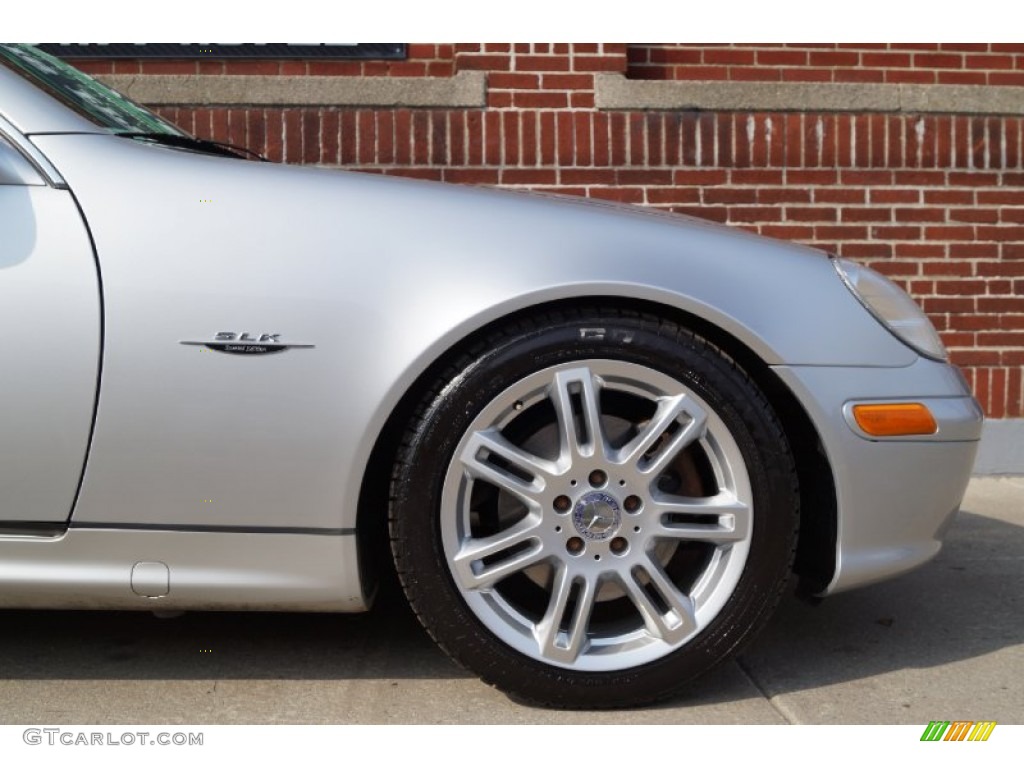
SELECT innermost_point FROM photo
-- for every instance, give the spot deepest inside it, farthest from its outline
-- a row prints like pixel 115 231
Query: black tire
pixel 622 572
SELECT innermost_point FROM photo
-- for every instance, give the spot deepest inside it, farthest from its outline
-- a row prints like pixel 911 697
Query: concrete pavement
pixel 946 642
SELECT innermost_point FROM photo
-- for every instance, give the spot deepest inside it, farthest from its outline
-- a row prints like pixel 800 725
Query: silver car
pixel 599 440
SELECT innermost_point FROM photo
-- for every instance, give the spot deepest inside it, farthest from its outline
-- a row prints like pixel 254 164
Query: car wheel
pixel 590 509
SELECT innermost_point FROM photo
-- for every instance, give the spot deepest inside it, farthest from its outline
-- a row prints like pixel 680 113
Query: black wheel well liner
pixel 816 548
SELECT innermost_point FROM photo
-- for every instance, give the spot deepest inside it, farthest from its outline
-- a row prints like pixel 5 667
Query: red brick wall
pixel 935 201
pixel 945 63
pixel 422 60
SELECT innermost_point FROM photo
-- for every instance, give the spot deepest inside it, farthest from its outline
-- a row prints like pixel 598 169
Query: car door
pixel 50 337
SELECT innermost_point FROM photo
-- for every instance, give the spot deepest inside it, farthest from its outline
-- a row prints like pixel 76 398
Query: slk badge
pixel 247 343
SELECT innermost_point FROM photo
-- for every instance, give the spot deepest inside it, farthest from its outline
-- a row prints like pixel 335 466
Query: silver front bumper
pixel 895 496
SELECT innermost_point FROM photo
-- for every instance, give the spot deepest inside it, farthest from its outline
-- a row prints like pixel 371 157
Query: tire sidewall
pixel 476 382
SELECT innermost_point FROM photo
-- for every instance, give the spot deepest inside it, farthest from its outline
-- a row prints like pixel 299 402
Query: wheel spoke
pixel 576 400
pixel 677 423
pixel 587 479
pixel 676 518
pixel 554 642
pixel 670 617
pixel 514 549
pixel 484 446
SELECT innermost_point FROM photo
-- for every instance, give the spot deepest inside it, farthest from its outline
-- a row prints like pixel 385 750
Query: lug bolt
pixel 598 478
pixel 574 545
pixel 618 545
pixel 632 503
pixel 562 503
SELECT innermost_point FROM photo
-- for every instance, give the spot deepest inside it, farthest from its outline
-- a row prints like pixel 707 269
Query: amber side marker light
pixel 895 419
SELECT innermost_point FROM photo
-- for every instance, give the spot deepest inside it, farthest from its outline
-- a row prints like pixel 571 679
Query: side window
pixel 15 169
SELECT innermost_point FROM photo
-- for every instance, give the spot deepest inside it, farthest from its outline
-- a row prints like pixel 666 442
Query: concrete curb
pixel 1002 448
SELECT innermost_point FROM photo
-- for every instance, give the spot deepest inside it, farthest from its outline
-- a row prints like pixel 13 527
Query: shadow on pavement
pixel 966 603
pixel 388 642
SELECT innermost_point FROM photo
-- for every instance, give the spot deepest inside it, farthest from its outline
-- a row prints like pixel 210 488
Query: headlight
pixel 892 307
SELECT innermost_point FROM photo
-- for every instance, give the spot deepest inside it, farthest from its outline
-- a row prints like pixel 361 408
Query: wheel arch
pixel 816 549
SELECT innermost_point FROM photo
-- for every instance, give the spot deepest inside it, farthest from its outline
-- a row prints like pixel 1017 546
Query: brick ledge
pixel 615 91
pixel 466 89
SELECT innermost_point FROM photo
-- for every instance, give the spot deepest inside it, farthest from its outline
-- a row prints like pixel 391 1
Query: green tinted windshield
pixel 87 96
